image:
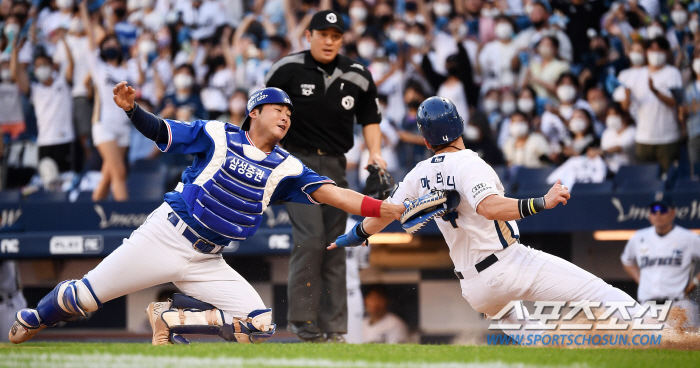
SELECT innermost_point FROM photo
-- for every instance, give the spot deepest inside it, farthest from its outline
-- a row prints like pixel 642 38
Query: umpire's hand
pixel 124 96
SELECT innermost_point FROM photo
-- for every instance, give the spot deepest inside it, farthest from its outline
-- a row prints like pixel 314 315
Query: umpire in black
pixel 329 92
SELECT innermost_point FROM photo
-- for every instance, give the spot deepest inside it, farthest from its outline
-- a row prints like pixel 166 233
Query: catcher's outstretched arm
pixel 496 207
pixel 361 231
pixel 356 203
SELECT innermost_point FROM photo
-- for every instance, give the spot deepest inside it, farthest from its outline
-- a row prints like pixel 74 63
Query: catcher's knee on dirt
pixel 68 301
pixel 191 316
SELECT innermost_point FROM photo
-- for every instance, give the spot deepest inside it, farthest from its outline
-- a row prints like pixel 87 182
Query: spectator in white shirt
pixel 77 46
pixel 543 73
pixel 380 325
pixel 658 130
pixel 617 141
pixel 494 61
pixel 11 113
pixel 51 97
pixel 525 148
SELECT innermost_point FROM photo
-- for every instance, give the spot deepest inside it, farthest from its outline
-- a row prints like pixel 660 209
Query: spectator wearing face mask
pixel 78 47
pixel 528 38
pixel 658 131
pixel 617 141
pixel 51 98
pixel 525 148
pixel 569 100
pixel 358 13
pixel 583 15
pixel 637 69
pixel 277 48
pixel 526 105
pixel 183 81
pixel 657 28
pixel 236 108
pixel 581 135
pixel 588 167
pixel 50 21
pixel 491 108
pixel 694 28
pixel 478 138
pixel 494 61
pixel 598 102
pixel 117 23
pixel 111 133
pixel 543 73
pixel 412 147
pixel 150 18
pixel 220 78
pixel 690 111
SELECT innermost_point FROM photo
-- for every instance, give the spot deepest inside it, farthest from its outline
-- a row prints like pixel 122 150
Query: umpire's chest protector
pixel 233 191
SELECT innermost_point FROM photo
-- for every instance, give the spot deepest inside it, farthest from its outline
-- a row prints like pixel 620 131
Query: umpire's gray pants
pixel 317 289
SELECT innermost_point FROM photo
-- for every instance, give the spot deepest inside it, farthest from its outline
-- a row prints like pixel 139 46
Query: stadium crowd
pixel 584 85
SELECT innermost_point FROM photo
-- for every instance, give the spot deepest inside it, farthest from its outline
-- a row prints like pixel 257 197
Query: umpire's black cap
pixel 327 19
pixel 663 199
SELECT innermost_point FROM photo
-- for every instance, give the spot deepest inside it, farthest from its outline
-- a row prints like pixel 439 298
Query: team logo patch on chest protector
pixel 233 200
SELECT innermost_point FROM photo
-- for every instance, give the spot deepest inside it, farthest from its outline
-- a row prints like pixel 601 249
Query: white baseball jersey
pixel 665 262
pixel 472 237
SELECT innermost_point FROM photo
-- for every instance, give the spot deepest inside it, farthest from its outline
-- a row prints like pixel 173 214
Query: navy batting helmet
pixel 439 121
pixel 269 95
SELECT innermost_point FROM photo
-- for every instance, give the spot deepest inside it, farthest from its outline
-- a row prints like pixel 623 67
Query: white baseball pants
pixel 156 253
pixel 356 313
pixel 523 273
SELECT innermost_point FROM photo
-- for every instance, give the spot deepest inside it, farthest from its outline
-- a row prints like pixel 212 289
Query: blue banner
pixel 38 230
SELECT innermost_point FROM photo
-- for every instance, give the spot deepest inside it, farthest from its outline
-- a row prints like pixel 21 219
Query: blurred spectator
pixel 627 77
pixel 478 138
pixel 77 48
pixel 581 129
pixel 491 107
pixel 236 108
pixel 525 148
pixel 380 325
pixel 201 17
pixel 184 95
pixel 412 149
pixel 598 102
pixel 583 16
pixel 117 23
pixel 111 133
pixel 586 168
pixel 530 37
pixel 543 73
pixel 658 130
pixel 690 111
pixel 617 141
pixel 11 114
pixel 51 97
pixel 452 87
pixel 495 58
pixel 651 7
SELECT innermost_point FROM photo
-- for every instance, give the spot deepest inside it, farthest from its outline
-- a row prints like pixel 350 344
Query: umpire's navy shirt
pixel 325 105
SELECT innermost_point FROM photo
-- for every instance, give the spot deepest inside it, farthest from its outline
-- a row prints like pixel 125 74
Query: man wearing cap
pixel 329 92
pixel 661 259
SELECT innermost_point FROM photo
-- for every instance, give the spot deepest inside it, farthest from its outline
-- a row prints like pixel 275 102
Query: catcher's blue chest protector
pixel 232 201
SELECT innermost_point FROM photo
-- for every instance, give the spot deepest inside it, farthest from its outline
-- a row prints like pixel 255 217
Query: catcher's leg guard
pixel 255 328
pixel 191 316
pixel 27 324
pixel 67 301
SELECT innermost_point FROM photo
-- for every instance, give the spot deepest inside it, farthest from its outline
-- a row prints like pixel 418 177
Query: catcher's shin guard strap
pixel 370 207
pixel 256 328
pixel 530 206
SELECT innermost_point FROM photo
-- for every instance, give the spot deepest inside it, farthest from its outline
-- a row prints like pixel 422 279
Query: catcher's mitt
pixel 379 183
pixel 421 210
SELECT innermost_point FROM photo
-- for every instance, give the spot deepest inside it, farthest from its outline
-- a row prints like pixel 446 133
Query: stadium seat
pixel 145 165
pixel 630 176
pixel 529 179
pixel 527 190
pixel 42 196
pixel 84 196
pixel 686 185
pixel 10 196
pixel 146 186
pixel 646 186
pixel 605 187
pixel 502 172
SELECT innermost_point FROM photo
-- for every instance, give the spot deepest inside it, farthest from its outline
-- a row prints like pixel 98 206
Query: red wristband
pixel 370 207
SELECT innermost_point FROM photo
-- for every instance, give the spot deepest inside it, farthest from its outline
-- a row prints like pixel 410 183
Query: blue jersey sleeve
pixel 186 137
pixel 298 189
